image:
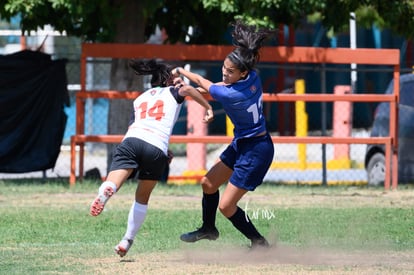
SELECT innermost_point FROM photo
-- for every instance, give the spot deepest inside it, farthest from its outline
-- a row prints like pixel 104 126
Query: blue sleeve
pixel 242 102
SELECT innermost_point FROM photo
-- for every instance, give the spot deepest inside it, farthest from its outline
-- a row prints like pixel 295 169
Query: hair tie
pixel 238 58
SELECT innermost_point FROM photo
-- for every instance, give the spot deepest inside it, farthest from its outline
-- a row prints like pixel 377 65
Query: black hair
pixel 248 40
pixel 160 72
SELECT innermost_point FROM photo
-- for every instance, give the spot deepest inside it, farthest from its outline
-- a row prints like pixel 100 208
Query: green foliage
pixel 93 19
pixel 96 20
pixel 334 15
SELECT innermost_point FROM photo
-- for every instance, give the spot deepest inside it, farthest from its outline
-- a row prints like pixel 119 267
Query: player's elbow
pixel 186 90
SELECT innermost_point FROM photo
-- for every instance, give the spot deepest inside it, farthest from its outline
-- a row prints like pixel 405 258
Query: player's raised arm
pixel 193 77
pixel 188 90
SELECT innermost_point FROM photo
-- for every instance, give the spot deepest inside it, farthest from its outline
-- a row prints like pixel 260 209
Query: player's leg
pixel 122 166
pixel 110 186
pixel 253 160
pixel 215 177
pixel 218 174
pixel 136 216
pixel 238 217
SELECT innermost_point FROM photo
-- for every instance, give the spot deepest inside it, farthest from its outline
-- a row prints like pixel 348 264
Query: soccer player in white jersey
pixel 244 163
pixel 144 148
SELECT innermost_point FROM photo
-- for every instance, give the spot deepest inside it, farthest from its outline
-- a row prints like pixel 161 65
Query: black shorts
pixel 148 161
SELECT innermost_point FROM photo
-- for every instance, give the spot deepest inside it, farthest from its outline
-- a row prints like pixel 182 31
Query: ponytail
pixel 160 72
pixel 248 40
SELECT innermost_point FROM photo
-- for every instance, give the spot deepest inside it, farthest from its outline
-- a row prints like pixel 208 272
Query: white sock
pixel 106 184
pixel 136 218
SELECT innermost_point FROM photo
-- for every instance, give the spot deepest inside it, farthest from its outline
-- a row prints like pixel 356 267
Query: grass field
pixel 46 229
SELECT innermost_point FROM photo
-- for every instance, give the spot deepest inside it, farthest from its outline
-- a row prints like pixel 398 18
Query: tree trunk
pixel 130 29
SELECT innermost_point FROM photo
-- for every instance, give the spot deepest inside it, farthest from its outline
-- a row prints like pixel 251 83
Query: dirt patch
pixel 277 260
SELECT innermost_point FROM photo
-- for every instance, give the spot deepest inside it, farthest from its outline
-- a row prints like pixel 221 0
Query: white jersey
pixel 156 112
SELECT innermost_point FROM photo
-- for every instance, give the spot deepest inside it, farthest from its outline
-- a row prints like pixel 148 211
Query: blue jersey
pixel 242 102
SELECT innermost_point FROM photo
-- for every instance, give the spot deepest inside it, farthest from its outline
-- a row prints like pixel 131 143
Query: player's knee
pixel 226 210
pixel 207 185
pixel 222 209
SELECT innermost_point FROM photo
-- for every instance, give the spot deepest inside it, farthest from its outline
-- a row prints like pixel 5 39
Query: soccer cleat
pixel 260 243
pixel 98 204
pixel 122 248
pixel 199 234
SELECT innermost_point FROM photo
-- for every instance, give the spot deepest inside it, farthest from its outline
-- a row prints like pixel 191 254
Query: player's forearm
pixel 199 98
pixel 193 77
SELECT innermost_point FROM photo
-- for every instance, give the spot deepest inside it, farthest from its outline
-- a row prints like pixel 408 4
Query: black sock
pixel 210 203
pixel 242 222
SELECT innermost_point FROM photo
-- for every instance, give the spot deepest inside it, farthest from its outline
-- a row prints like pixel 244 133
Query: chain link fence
pixel 293 163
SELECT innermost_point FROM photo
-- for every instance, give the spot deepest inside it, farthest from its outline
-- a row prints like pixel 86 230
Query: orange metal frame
pixel 390 57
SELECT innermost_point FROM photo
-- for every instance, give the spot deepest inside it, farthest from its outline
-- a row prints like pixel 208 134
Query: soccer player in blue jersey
pixel 244 163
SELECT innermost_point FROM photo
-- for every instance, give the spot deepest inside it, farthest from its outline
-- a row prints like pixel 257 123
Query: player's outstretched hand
pixel 209 117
